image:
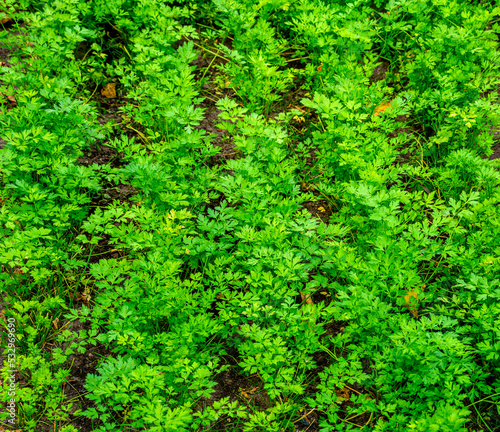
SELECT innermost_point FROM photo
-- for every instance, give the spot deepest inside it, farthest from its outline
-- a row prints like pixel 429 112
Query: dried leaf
pixel 305 187
pixel 344 394
pixel 7 19
pixel 305 298
pixel 109 91
pixel 382 108
pixel 248 392
pixel 84 297
pixel 411 299
pixel 55 322
pixel 2 316
pixel 12 100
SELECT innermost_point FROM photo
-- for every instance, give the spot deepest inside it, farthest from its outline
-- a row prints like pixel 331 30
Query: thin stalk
pixel 209 66
pixel 297 58
pixel 481 400
pixel 87 101
pixel 211 52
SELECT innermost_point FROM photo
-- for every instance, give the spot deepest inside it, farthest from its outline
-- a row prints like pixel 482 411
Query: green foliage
pixel 48 371
pixel 236 124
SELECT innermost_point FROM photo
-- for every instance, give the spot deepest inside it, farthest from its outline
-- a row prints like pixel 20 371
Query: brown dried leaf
pixel 11 99
pixel 411 299
pixel 344 394
pixel 248 392
pixel 55 322
pixel 305 187
pixel 109 91
pixel 382 108
pixel 305 298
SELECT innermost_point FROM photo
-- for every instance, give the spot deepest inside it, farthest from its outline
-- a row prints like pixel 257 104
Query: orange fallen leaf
pixel 411 299
pixel 248 392
pixel 382 108
pixel 6 20
pixel 302 109
pixel 109 91
pixel 344 394
pixel 12 100
pixel 305 298
pixel 304 187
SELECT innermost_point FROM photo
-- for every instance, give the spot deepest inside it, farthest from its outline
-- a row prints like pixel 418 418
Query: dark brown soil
pixel 100 155
pixel 496 151
pixel 291 99
pixel 6 51
pixel 380 71
pixel 219 138
pixel 207 69
pixel 319 209
pixel 246 392
pixel 82 365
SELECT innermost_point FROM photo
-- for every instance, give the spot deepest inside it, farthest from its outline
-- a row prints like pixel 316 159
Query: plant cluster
pixel 337 269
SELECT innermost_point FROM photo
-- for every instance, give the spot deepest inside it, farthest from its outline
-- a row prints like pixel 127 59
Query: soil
pixel 207 69
pixel 219 138
pixel 319 209
pixel 248 391
pixel 380 71
pixel 83 364
pixel 6 51
pixel 101 155
pixel 496 151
